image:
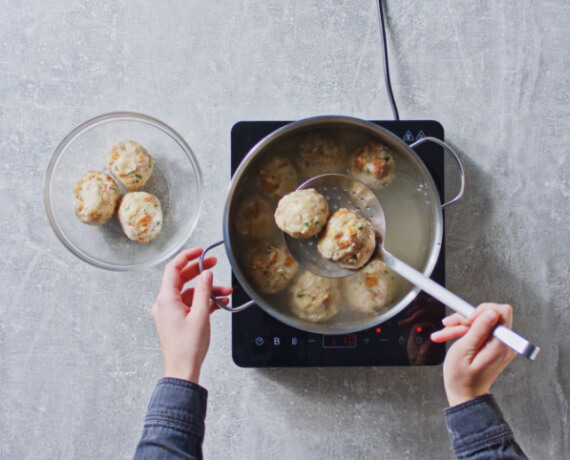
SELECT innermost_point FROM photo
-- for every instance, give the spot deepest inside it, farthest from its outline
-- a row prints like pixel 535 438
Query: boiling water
pixel 408 207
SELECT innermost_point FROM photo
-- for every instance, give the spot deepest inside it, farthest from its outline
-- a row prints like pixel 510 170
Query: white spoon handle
pixel 456 303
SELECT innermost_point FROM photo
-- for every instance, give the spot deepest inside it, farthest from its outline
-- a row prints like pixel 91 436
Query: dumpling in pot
pixel 140 215
pixel 271 266
pixel 372 289
pixel 277 176
pixel 302 213
pixel 314 297
pixel 321 154
pixel 373 164
pixel 95 198
pixel 348 239
pixel 130 163
pixel 254 218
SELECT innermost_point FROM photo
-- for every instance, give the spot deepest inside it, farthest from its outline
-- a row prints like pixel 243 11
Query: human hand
pixel 182 317
pixel 475 360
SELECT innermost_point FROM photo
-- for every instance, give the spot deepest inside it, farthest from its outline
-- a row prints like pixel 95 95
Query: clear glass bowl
pixel 176 180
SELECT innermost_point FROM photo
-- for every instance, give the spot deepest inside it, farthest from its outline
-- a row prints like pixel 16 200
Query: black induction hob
pixel 259 340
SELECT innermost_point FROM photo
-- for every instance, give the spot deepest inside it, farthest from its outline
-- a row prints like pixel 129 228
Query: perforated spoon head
pixel 340 191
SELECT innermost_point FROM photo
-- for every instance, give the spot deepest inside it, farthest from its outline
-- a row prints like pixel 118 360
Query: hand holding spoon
pixel 345 192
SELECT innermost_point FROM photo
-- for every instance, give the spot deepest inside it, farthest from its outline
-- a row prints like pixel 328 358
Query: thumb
pixel 480 331
pixel 202 292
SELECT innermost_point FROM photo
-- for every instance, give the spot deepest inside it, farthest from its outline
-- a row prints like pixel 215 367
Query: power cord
pixel 386 65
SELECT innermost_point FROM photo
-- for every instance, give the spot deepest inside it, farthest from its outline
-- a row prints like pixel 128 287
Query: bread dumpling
pixel 302 213
pixel 95 198
pixel 271 266
pixel 320 154
pixel 140 215
pixel 254 218
pixel 373 164
pixel 314 297
pixel 130 163
pixel 348 239
pixel 372 289
pixel 277 176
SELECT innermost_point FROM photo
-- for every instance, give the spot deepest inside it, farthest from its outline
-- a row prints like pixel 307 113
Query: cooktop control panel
pixel 259 340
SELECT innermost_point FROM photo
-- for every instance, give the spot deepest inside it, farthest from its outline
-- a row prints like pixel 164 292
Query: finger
pixel 192 271
pixel 223 300
pixel 505 312
pixel 448 333
pixel 171 277
pixel 479 332
pixel 455 320
pixel 494 351
pixel 202 292
pixel 217 291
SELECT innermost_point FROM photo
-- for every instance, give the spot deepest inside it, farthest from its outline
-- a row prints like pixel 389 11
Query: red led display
pixel 339 341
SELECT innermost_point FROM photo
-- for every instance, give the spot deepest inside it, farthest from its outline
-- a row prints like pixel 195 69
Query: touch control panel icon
pixel 259 341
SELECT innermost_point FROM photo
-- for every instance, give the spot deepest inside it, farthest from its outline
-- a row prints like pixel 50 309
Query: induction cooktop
pixel 259 340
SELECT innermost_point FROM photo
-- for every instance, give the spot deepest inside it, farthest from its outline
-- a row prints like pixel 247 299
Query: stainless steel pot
pixel 357 130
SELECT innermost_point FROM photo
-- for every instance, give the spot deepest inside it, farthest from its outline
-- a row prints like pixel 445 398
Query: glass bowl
pixel 176 181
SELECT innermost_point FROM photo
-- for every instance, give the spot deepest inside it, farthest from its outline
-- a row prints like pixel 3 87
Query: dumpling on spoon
pixel 348 239
pixel 302 213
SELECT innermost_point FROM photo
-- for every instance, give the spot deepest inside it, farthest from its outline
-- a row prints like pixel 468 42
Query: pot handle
pixel 457 161
pixel 216 301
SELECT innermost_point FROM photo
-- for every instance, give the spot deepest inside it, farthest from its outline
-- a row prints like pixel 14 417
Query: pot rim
pixel 317 121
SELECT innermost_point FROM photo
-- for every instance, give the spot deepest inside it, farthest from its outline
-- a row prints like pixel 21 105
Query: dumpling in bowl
pixel 95 198
pixel 140 215
pixel 130 163
pixel 348 239
pixel 302 213
pixel 271 267
pixel 254 218
pixel 373 164
pixel 314 297
pixel 277 176
pixel 372 289
pixel 321 154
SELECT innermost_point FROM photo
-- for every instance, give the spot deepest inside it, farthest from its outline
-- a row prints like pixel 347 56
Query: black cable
pixel 386 65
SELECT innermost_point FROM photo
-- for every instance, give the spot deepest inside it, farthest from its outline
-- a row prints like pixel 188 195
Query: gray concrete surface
pixel 78 352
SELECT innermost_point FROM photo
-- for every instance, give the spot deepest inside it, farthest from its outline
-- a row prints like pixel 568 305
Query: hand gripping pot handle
pixel 454 155
pixel 216 301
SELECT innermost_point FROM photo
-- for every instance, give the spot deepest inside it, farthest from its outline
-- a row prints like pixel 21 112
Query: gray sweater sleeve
pixel 174 423
pixel 478 430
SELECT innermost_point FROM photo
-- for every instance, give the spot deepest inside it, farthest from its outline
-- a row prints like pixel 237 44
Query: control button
pixel 402 340
pixel 419 340
pixel 409 137
pixel 366 340
pixel 294 341
pixel 276 341
pixel 259 341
